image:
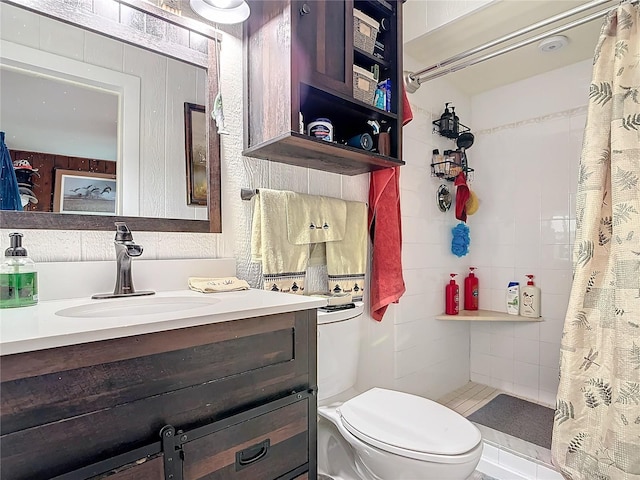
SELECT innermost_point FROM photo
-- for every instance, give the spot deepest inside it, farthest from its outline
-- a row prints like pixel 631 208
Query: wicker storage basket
pixel 364 85
pixel 365 31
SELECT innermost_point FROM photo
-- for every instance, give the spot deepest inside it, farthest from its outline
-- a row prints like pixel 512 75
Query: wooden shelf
pixel 283 92
pixel 304 151
pixel 382 6
pixel 487 316
pixel 361 57
pixel 339 102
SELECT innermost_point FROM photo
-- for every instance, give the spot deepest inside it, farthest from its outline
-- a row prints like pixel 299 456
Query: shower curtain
pixel 597 421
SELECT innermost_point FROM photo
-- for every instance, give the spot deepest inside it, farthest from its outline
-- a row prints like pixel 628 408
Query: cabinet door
pixel 323 43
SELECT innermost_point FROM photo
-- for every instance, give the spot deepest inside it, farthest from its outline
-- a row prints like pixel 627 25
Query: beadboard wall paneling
pixel 180 78
pixel 152 70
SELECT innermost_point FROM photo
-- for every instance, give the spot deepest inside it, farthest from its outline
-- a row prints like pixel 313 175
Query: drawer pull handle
pixel 252 454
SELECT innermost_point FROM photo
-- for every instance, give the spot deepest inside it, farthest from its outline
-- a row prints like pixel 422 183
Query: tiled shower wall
pixel 431 357
pixel 526 156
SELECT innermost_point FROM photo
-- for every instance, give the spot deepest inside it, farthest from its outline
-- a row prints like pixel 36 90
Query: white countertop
pixel 38 327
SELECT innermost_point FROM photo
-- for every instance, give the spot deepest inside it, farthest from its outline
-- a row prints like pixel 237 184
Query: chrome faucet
pixel 126 249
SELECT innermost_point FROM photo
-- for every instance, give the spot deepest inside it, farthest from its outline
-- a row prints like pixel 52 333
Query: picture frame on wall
pixel 195 124
pixel 88 193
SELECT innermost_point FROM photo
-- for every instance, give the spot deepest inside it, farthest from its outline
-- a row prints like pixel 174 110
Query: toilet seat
pixel 410 426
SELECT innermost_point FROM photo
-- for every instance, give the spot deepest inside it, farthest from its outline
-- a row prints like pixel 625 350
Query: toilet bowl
pixel 382 434
pixel 398 436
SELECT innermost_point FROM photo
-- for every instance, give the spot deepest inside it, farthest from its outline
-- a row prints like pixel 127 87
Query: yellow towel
pixel 315 219
pixel 212 285
pixel 347 259
pixel 283 264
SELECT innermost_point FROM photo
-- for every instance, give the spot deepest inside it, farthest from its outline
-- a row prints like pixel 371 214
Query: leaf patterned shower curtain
pixel 597 422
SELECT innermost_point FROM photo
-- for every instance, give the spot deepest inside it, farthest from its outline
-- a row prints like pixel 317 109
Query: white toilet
pixel 382 434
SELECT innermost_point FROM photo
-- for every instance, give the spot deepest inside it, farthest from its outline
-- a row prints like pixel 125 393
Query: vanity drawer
pixel 46 386
pixel 266 446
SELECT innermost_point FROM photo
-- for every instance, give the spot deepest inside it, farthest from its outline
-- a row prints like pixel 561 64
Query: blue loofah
pixel 461 240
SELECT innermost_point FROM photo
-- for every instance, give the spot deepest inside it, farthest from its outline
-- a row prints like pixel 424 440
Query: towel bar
pixel 248 193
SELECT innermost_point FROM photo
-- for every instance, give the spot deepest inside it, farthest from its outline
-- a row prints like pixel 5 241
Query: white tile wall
pixel 500 463
pixel 526 157
pixel 431 356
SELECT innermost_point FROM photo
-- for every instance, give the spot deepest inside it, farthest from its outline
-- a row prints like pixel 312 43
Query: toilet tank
pixel 338 350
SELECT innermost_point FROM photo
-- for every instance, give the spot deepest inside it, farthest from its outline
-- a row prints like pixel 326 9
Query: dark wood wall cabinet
pixel 229 400
pixel 306 60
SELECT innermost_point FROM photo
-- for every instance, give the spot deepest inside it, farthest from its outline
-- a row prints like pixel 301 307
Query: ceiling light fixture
pixel 554 43
pixel 221 11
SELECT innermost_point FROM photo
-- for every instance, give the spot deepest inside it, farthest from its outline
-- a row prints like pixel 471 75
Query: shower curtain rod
pixel 413 80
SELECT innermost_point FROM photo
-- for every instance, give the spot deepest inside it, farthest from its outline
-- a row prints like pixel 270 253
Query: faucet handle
pixel 123 234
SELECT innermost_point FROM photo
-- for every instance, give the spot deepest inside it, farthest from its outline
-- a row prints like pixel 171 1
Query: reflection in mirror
pixel 59 115
pixel 106 107
pixel 46 113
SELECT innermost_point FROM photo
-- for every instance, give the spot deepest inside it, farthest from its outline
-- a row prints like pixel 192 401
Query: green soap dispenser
pixel 18 276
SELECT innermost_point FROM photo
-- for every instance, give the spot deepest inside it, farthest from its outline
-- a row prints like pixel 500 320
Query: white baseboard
pixel 499 471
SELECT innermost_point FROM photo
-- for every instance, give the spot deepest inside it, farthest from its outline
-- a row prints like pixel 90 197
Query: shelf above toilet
pixel 487 316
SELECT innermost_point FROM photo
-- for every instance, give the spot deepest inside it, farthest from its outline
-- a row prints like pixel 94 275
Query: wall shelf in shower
pixel 487 316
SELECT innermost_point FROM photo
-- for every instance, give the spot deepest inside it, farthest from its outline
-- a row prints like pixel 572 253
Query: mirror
pixel 126 157
pixel 443 198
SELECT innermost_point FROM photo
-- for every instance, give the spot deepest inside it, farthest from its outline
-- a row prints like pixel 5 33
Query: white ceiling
pixel 496 20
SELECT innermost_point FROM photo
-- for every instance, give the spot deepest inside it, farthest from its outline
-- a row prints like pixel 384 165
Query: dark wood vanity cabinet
pixel 229 400
pixel 143 469
pixel 300 58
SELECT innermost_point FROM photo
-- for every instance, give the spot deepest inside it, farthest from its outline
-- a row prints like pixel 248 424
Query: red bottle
pixel 452 297
pixel 471 291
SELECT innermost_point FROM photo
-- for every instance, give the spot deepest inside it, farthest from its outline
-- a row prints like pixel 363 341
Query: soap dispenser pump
pixel 471 293
pixel 530 299
pixel 456 123
pixel 447 124
pixel 452 296
pixel 18 276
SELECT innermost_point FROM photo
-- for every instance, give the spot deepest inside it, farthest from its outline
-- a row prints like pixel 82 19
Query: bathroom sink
pixel 130 307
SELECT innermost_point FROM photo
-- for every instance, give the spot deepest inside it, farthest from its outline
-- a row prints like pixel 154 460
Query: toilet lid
pixel 402 423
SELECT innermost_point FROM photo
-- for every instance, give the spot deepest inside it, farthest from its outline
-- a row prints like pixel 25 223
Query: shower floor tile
pixel 471 397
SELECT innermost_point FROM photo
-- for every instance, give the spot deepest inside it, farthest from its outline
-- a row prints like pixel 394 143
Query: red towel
pixel 462 195
pixel 387 283
pixel 407 114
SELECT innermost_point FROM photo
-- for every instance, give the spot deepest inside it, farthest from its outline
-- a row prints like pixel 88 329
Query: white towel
pixel 213 285
pixel 287 226
pixel 347 259
pixel 315 219
pixel 283 264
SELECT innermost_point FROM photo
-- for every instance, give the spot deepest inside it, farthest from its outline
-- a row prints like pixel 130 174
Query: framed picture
pixel 84 192
pixel 195 124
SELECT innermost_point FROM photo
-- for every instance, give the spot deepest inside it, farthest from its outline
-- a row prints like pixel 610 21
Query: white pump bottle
pixel 530 299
